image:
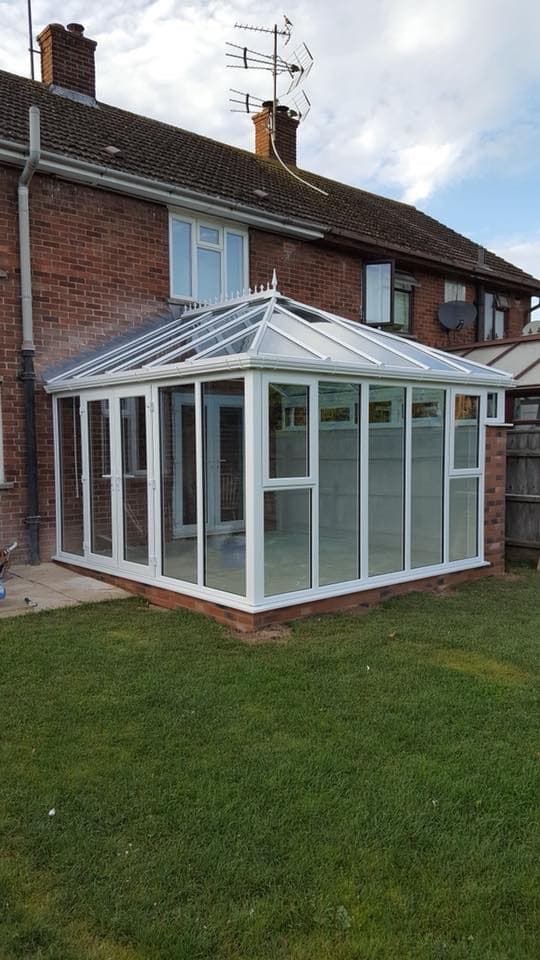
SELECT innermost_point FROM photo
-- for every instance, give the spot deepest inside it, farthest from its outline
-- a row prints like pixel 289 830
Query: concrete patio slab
pixel 48 586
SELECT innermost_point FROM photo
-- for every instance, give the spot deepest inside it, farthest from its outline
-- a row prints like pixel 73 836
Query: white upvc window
pixel 453 290
pixel 208 258
pixel 2 475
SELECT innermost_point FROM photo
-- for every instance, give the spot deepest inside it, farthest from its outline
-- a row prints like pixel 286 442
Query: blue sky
pixel 435 102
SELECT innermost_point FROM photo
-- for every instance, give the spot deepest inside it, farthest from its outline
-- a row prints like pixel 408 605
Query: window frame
pixel 387 324
pixel 2 463
pixel 223 227
pixel 495 309
pixel 458 284
pixel 399 283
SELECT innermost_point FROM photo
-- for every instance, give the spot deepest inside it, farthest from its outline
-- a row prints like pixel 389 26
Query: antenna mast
pixel 31 49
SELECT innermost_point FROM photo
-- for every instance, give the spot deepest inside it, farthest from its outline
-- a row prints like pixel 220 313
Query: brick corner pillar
pixel 495 496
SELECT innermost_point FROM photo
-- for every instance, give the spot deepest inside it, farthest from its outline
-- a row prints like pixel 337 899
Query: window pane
pixel 100 477
pixel 287 541
pixel 467 419
pixel 235 263
pixel 209 274
pixel 134 479
pixel 288 430
pixel 527 408
pixel 178 483
pixel 492 406
pixel 72 521
pixel 427 477
pixel 209 235
pixel 378 293
pixel 386 479
pixel 181 258
pixel 454 291
pixel 488 316
pixel 402 308
pixel 499 323
pixel 463 530
pixel 225 528
pixel 339 450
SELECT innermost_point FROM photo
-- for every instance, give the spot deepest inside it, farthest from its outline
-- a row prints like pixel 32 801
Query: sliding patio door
pixel 118 492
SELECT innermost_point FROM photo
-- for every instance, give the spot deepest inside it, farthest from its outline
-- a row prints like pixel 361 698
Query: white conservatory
pixel 260 453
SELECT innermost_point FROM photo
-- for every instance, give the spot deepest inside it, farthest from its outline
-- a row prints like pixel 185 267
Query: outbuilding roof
pixel 168 155
pixel 520 357
pixel 268 330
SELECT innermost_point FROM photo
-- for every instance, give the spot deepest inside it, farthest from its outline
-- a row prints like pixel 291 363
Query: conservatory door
pixel 224 425
pixel 120 480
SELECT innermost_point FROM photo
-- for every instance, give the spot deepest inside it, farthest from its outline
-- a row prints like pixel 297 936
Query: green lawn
pixel 366 789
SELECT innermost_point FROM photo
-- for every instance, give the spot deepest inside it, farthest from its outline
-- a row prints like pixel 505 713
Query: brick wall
pixel 101 266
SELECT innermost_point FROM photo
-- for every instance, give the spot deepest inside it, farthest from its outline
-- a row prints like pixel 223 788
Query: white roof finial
pixel 274 279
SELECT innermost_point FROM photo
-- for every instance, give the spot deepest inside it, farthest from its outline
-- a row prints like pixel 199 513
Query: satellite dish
pixel 457 314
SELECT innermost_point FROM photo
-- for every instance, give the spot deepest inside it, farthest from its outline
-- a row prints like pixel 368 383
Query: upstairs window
pixel 495 310
pixel 208 259
pixel 388 297
pixel 454 291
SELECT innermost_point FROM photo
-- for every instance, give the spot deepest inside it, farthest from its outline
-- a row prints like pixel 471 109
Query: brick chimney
pixel 67 59
pixel 285 136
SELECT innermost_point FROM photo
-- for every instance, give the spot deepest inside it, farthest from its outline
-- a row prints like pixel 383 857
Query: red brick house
pixel 130 218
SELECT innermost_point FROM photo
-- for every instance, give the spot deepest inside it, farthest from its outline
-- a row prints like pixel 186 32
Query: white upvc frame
pixel 223 227
pixel 257 482
pixel 2 474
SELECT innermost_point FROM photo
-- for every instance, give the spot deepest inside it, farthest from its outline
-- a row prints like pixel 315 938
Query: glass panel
pixel 209 235
pixel 225 528
pixel 386 479
pixel 181 258
pixel 99 449
pixel 288 430
pixel 72 518
pixel 209 274
pixel 378 294
pixel 287 541
pixel 427 476
pixel 339 449
pixel 488 316
pixel 499 323
pixel 467 421
pixel 492 406
pixel 134 479
pixel 527 408
pixel 463 531
pixel 178 483
pixel 402 309
pixel 454 290
pixel 235 263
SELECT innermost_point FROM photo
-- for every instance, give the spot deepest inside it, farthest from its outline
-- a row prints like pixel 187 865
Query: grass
pixel 366 790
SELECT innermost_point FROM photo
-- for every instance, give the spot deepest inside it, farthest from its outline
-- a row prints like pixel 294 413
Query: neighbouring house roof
pixel 519 357
pixel 268 330
pixel 166 154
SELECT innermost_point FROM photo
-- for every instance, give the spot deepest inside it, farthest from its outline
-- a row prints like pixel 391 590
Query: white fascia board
pixel 194 369
pixel 158 191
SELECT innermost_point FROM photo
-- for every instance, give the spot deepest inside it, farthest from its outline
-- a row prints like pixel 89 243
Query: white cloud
pixel 408 95
pixel 524 252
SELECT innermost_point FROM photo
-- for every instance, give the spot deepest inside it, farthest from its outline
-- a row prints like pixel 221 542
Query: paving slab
pixel 49 586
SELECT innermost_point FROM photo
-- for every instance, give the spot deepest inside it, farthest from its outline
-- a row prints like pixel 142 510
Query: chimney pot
pixel 76 28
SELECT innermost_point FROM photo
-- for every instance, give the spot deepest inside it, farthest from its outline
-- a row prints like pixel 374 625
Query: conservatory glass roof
pixel 263 328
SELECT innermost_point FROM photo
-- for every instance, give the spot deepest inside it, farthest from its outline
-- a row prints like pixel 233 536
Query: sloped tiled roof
pixel 164 153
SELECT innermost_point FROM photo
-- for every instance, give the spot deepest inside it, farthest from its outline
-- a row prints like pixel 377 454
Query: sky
pixel 434 102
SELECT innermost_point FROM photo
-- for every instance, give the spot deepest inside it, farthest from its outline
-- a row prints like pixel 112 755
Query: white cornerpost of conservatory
pixel 482 478
pixel 152 478
pixel 254 496
pixel 57 480
pixel 364 481
pixel 85 462
pixel 407 489
pixel 199 459
pixel 154 487
pixel 448 454
pixel 314 473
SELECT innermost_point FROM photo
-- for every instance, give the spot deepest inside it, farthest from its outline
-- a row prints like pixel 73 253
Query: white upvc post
pixel 407 490
pixel 199 457
pixel 254 496
pixel 314 473
pixel 364 480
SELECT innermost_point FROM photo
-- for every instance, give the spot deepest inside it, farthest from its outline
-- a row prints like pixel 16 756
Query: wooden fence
pixel 523 490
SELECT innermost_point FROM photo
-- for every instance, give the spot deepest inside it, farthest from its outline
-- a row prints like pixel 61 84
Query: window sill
pixel 387 328
pixel 6 485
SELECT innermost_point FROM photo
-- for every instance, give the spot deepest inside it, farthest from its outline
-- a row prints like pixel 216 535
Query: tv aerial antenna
pixel 293 67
